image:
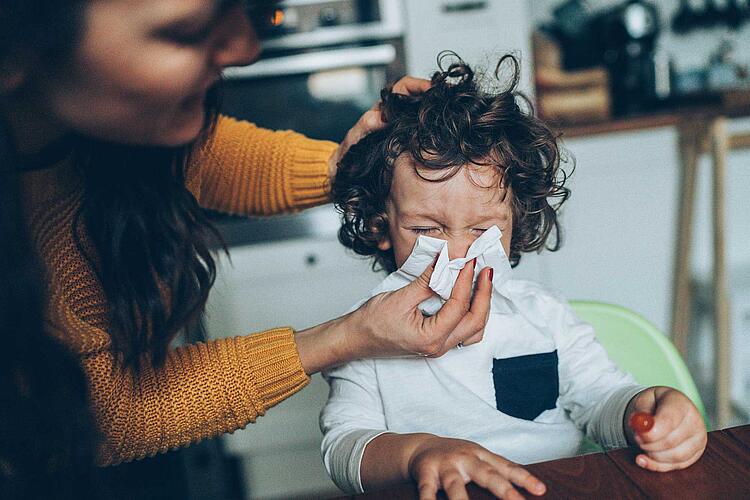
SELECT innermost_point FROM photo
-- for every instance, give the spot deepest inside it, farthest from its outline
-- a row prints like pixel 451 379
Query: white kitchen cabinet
pixel 299 283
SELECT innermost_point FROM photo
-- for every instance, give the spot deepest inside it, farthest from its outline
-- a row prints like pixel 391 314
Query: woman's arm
pixel 243 169
pixel 246 170
pixel 200 391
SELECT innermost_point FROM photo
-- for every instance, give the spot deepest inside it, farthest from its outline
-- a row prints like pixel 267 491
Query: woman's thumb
pixel 419 289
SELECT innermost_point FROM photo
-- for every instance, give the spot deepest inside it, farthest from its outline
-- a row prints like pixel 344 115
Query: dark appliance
pixel 323 65
pixel 628 35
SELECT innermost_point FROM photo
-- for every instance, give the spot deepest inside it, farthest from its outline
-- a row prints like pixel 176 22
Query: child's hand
pixel 678 436
pixel 450 464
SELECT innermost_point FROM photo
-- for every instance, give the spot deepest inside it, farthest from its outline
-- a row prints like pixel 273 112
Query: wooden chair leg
pixel 691 143
pixel 722 335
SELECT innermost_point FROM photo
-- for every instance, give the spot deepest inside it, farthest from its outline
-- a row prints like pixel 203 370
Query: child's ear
pixel 384 243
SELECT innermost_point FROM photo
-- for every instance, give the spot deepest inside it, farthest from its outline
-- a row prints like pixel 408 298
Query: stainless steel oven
pixel 323 65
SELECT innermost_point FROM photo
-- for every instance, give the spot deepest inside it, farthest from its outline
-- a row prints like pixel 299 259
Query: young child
pixel 465 176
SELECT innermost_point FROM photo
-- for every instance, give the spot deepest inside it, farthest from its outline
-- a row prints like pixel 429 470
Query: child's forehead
pixel 410 173
pixel 473 187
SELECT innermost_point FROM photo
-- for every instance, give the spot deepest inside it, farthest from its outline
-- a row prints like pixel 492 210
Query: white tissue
pixel 488 251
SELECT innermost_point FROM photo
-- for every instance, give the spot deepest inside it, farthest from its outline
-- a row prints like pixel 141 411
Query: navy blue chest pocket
pixel 526 386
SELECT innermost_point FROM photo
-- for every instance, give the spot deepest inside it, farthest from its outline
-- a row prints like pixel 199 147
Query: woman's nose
pixel 239 45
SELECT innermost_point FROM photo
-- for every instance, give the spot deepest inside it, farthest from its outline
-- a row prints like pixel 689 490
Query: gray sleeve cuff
pixel 607 427
pixel 345 460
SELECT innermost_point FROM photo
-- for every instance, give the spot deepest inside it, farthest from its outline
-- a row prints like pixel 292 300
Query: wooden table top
pixel 723 472
pixel 729 104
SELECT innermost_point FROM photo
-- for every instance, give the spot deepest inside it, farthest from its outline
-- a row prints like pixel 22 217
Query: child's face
pixel 457 210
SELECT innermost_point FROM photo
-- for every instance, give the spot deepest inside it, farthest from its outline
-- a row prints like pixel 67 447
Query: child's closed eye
pixel 423 230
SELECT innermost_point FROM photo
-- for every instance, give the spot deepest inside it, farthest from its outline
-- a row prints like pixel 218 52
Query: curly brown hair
pixel 454 123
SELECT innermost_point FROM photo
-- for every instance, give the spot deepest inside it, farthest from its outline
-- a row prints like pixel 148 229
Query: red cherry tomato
pixel 641 422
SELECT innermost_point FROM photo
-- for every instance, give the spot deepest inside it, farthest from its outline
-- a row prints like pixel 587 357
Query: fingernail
pixel 641 461
pixel 491 273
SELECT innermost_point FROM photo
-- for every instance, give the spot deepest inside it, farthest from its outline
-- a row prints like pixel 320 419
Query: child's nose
pixel 458 247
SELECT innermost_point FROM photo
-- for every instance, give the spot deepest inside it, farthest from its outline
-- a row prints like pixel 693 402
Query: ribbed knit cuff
pixel 609 432
pixel 273 366
pixel 309 182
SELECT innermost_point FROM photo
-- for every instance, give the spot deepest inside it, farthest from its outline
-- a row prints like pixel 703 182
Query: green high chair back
pixel 638 347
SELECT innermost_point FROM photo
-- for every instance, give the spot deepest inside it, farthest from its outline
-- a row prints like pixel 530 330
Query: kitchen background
pixel 324 64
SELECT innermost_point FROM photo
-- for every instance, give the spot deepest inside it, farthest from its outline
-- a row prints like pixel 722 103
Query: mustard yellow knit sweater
pixel 202 390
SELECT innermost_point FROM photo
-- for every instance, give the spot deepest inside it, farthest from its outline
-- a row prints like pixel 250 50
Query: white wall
pixel 619 224
pixel 480 36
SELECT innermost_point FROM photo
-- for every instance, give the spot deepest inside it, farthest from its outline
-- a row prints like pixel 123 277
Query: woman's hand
pixel 391 324
pixel 450 464
pixel 678 437
pixel 372 120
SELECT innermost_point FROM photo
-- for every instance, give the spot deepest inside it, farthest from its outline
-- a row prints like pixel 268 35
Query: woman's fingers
pixel 410 85
pixel 372 119
pixel 470 328
pixel 397 325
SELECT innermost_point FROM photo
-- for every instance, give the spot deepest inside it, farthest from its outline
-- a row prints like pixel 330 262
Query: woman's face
pixel 142 68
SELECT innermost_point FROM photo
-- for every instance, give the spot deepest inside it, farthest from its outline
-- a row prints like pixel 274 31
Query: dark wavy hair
pixel 454 123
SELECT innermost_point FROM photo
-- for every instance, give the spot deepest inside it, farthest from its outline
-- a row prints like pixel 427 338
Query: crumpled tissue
pixel 488 251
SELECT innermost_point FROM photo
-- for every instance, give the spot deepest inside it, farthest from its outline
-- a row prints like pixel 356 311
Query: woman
pixel 118 149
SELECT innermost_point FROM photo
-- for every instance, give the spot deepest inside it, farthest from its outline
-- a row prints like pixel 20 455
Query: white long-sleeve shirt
pixel 529 391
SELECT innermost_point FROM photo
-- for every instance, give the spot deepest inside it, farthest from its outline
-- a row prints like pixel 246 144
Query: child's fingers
pixel 517 474
pixel 669 420
pixel 428 487
pixel 679 453
pixel 665 437
pixel 454 485
pixel 657 466
pixel 492 480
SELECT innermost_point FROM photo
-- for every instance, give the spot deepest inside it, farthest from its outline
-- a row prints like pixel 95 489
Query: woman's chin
pixel 186 131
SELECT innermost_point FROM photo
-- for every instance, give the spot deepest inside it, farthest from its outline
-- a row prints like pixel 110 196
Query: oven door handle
pixel 312 62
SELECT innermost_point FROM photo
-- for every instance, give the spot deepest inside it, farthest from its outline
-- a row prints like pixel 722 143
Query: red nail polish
pixel 491 273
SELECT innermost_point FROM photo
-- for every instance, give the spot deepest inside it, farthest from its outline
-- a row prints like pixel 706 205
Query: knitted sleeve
pixel 246 170
pixel 201 391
